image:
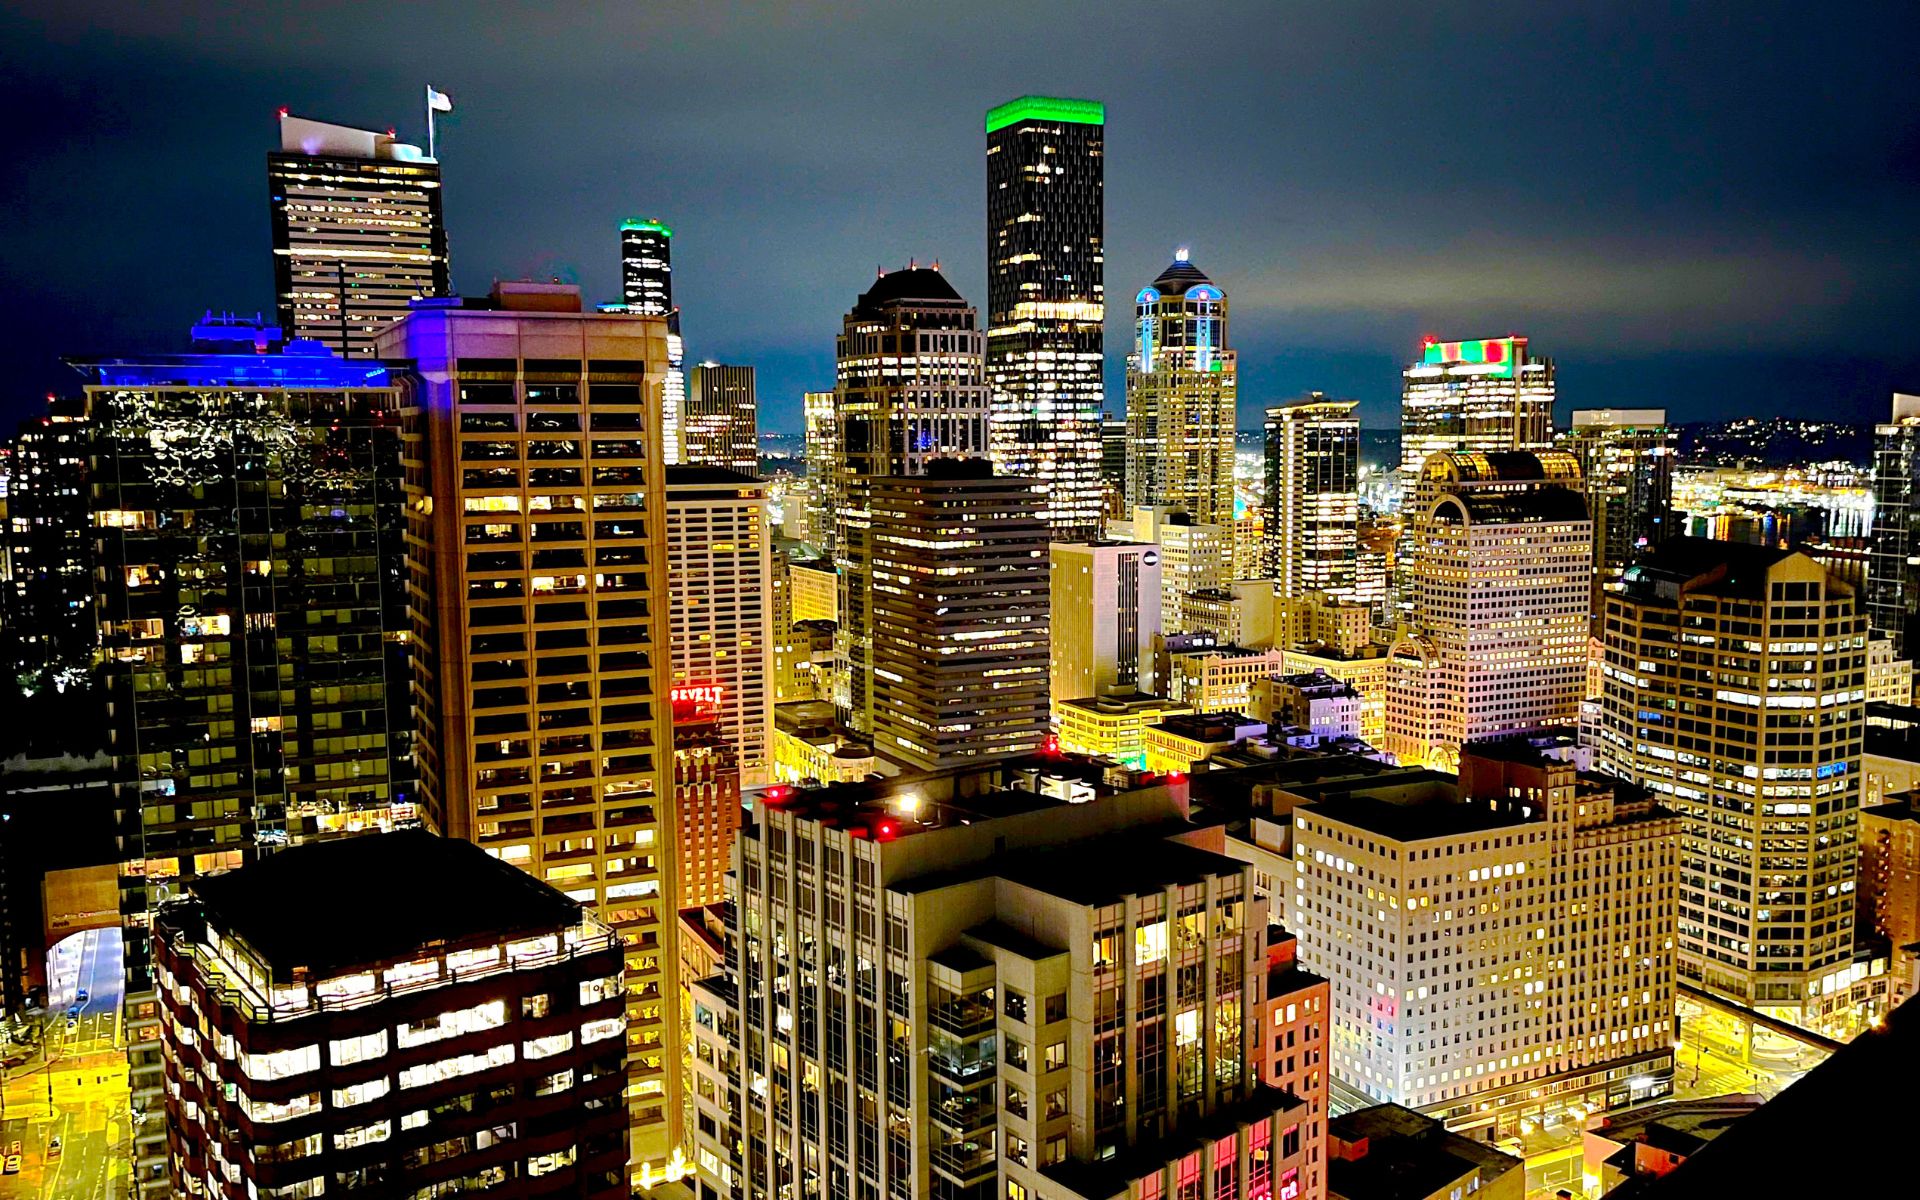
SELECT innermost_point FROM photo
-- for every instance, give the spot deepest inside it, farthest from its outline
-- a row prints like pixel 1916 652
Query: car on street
pixel 81 995
pixel 13 1164
pixel 54 1148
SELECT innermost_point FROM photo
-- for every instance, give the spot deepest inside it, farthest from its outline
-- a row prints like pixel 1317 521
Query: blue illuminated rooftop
pixel 238 352
pixel 321 371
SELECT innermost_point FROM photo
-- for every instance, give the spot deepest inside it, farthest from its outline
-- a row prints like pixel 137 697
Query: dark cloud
pixel 1706 205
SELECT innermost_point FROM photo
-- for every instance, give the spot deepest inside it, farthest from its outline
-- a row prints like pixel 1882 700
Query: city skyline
pixel 1628 232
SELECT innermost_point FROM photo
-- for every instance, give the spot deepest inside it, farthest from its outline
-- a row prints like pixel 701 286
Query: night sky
pixel 1713 207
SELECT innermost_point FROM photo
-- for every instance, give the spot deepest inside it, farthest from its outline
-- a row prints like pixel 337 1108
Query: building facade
pixel 969 991
pixel 1626 460
pixel 1182 389
pixel 706 803
pixel 1500 946
pixel 1734 689
pixel 536 533
pixel 46 611
pixel 1046 301
pixel 357 232
pixel 1484 396
pixel 719 573
pixel 646 290
pixel 1313 497
pixel 1893 581
pixel 819 444
pixel 1503 576
pixel 910 390
pixel 1105 603
pixel 446 1026
pixel 1195 557
pixel 960 615
pixel 720 426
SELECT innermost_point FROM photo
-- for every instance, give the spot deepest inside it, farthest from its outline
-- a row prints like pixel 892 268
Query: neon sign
pixel 698 693
pixel 1494 353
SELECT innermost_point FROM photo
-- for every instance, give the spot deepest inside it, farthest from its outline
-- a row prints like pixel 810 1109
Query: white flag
pixel 438 101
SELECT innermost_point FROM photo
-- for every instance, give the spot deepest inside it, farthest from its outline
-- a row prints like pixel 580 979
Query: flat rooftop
pixel 332 906
pixel 1416 816
pixel 1107 869
pixel 1409 1156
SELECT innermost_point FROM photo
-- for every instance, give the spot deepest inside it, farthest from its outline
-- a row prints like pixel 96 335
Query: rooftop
pixel 1408 1156
pixel 1115 1176
pixel 1103 871
pixel 695 476
pixel 913 286
pixel 1180 275
pixel 1060 109
pixel 410 891
pixel 1420 813
pixel 1712 566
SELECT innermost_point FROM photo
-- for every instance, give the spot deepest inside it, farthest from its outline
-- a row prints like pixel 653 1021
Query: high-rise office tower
pixel 720 426
pixel 1313 497
pixel 1563 1000
pixel 246 509
pixel 1893 571
pixel 537 533
pixel 909 389
pixel 720 577
pixel 1195 557
pixel 47 608
pixel 818 443
pixel 357 232
pixel 1485 395
pixel 1113 466
pixel 959 620
pixel 967 986
pixel 324 1004
pixel 1105 601
pixel 1503 555
pixel 646 289
pixel 1046 245
pixel 1626 458
pixel 1181 393
pixel 1733 689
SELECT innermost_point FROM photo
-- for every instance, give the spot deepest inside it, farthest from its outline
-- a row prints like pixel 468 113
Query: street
pixel 74 1084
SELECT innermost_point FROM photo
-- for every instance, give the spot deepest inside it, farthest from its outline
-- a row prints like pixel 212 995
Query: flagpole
pixel 430 147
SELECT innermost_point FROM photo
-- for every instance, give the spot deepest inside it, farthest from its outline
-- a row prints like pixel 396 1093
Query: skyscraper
pixel 1502 567
pixel 1893 575
pixel 1313 496
pixel 47 609
pixel 719 572
pixel 646 289
pixel 537 533
pixel 1113 466
pixel 1626 458
pixel 959 619
pixel 909 389
pixel 1181 396
pixel 720 426
pixel 818 443
pixel 1105 602
pixel 246 509
pixel 357 232
pixel 1485 395
pixel 1733 689
pixel 1195 557
pixel 1046 299
pixel 1069 1013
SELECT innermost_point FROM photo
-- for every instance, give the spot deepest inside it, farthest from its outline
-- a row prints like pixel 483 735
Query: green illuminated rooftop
pixel 1046 108
pixel 650 226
